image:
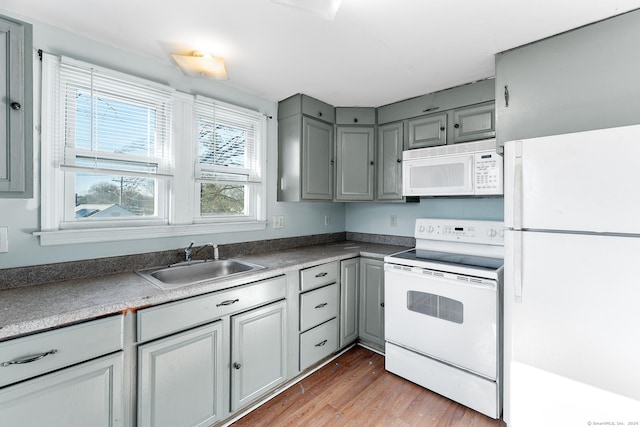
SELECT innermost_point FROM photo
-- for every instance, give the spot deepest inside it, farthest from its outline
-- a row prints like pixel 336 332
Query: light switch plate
pixel 278 221
pixel 4 239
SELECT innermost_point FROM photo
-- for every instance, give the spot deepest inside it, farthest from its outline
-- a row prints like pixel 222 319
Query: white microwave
pixel 468 169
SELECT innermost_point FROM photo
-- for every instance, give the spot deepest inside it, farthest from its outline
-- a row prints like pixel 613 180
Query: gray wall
pixel 22 216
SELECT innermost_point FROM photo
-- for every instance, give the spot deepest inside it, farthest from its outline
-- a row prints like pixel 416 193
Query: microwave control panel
pixel 488 173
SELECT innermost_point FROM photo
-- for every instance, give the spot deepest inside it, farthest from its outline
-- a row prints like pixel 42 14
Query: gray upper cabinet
pixel 16 110
pixel 438 102
pixel 355 163
pixel 427 131
pixel 580 80
pixel 390 146
pixel 472 123
pixel 305 149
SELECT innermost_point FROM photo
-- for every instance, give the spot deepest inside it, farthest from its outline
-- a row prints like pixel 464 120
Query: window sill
pixel 97 235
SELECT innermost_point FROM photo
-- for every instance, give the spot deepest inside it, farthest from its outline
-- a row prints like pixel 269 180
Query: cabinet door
pixel 349 282
pixel 88 394
pixel 371 328
pixel 258 348
pixel 427 131
pixel 317 160
pixel 472 123
pixel 180 379
pixel 355 163
pixel 16 142
pixel 390 146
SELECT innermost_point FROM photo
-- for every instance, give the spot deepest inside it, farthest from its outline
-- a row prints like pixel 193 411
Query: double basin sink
pixel 192 272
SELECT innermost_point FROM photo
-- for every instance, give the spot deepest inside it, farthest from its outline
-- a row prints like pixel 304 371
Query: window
pixel 121 159
pixel 228 165
pixel 112 134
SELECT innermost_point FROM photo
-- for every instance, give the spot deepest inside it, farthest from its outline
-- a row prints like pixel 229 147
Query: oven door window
pixel 435 306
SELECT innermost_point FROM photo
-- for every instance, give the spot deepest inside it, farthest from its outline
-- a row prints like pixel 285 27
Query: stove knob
pixel 492 232
pixel 421 228
pixel 430 229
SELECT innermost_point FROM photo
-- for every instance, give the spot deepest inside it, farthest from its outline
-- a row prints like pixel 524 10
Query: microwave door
pixel 438 176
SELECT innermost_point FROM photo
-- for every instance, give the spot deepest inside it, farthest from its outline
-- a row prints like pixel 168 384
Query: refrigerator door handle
pixel 517 186
pixel 517 267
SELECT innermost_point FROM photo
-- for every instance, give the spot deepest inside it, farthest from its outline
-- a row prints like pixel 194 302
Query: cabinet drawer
pixel 355 116
pixel 37 354
pixel 318 343
pixel 318 306
pixel 320 275
pixel 155 322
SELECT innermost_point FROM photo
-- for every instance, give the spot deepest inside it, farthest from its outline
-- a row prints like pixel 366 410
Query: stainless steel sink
pixel 188 273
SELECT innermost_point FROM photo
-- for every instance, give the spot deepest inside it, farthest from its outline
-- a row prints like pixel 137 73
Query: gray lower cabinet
pixel 371 325
pixel 258 352
pixel 16 110
pixel 89 394
pixel 180 379
pixel 389 171
pixel 349 284
pixel 66 377
pixel 355 163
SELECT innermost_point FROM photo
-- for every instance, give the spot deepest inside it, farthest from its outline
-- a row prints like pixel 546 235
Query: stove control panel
pixel 468 231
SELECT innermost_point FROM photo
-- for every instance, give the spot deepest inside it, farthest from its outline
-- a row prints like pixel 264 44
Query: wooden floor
pixel 355 390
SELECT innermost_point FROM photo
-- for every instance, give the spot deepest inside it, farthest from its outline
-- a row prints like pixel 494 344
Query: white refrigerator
pixel 572 279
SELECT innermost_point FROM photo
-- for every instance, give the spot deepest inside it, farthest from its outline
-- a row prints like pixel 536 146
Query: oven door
pixel 438 176
pixel 445 316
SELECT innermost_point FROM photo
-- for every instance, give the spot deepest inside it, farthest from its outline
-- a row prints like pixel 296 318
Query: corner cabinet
pixel 67 377
pixel 305 149
pixel 349 293
pixel 355 156
pixel 16 110
pixel 371 327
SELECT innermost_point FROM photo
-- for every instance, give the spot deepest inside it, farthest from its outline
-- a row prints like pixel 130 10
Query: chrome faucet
pixel 215 255
pixel 188 252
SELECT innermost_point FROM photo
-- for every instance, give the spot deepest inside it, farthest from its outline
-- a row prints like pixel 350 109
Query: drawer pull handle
pixel 324 304
pixel 228 302
pixel 321 343
pixel 30 358
pixel 324 273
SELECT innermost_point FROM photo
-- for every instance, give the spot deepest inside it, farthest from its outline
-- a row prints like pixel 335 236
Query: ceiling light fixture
pixel 324 8
pixel 200 64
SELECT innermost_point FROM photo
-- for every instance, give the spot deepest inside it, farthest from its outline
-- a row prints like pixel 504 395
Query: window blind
pixel 112 122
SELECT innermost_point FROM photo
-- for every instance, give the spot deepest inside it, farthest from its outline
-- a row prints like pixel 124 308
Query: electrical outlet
pixel 327 220
pixel 4 239
pixel 393 220
pixel 278 221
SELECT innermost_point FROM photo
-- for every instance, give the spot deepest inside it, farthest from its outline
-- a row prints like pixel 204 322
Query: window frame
pixel 180 217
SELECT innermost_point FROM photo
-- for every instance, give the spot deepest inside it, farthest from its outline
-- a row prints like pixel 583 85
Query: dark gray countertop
pixel 30 309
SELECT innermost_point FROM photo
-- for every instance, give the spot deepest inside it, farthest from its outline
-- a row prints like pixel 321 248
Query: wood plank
pixel 355 390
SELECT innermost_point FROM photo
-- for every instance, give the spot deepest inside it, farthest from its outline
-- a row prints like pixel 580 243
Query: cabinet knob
pixel 320 113
pixel 236 365
pixel 399 160
pixel 355 120
pixel 332 162
pixel 15 106
pixel 382 304
pixel 442 128
pixel 456 126
pixel 371 162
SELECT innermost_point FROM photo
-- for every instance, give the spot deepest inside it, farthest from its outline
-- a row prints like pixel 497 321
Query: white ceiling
pixel 373 53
